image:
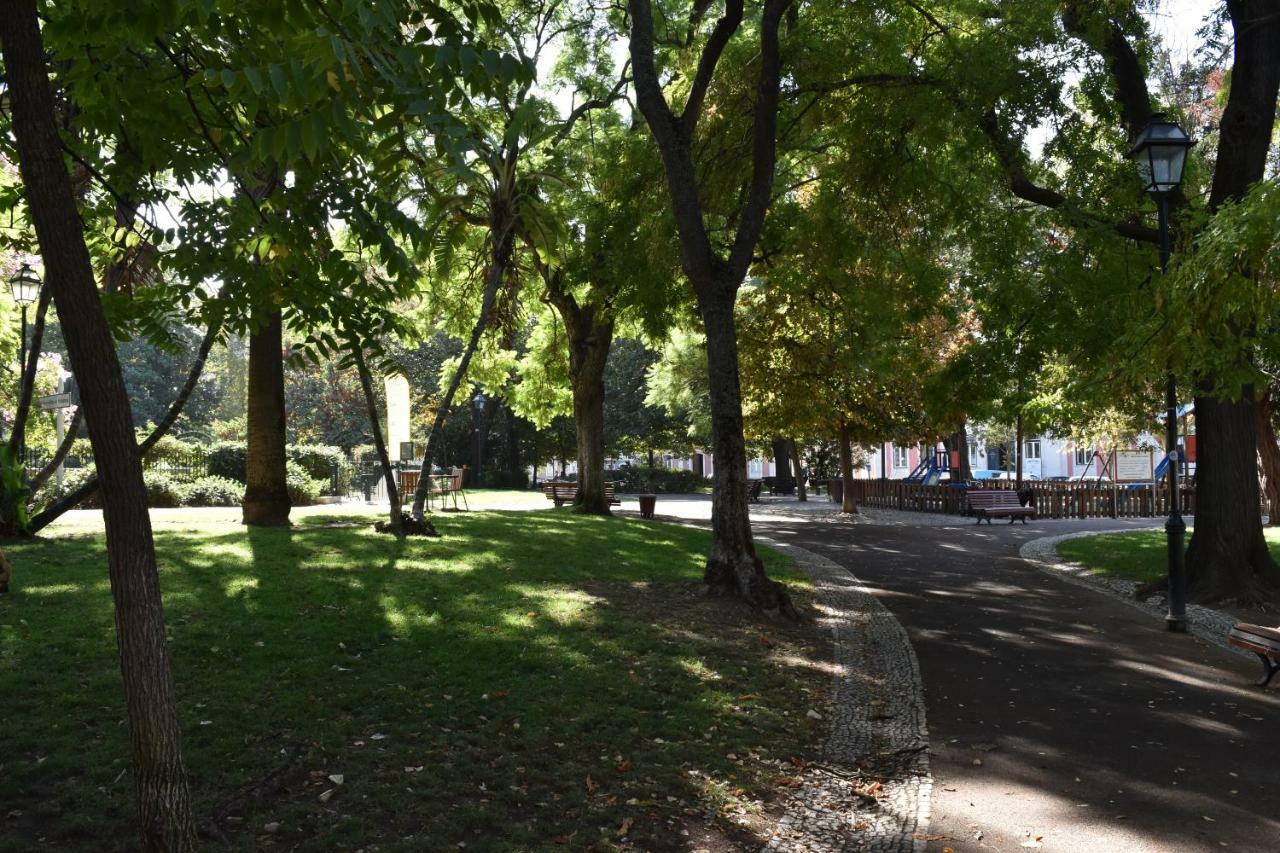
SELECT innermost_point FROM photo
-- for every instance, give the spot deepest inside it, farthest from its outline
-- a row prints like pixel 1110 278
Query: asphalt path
pixel 1061 719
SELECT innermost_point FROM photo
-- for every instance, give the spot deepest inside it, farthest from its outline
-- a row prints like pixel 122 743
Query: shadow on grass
pixel 528 677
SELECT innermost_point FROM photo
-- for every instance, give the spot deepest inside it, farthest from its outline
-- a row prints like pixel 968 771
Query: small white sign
pixel 55 401
pixel 1135 466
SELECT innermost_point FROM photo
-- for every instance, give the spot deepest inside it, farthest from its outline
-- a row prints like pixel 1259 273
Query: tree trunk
pixel 590 331
pixel 846 470
pixel 499 260
pixel 160 781
pixel 1228 556
pixel 1269 454
pixel 782 465
pixel 588 417
pixel 960 443
pixel 802 491
pixel 1227 545
pixel 266 494
pixel 388 473
pixel 1017 448
pixel 733 565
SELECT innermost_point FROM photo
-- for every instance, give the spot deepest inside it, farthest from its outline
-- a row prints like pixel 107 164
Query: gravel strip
pixel 871 790
pixel 1205 623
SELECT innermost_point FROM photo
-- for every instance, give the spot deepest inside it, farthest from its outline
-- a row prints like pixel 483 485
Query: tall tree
pixel 160 783
pixel 716 276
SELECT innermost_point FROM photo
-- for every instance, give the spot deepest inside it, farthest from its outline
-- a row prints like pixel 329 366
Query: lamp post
pixel 25 287
pixel 478 402
pixel 1160 153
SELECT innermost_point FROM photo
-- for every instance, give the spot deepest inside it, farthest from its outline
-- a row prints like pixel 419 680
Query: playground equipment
pixel 930 470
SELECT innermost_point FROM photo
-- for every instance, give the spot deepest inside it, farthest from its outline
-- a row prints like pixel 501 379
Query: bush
pixel 168 449
pixel 72 479
pixel 215 491
pixel 316 459
pixel 304 490
pixel 228 459
pixel 635 478
pixel 164 491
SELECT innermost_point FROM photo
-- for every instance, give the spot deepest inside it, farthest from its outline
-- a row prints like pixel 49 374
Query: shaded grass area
pixel 529 681
pixel 1139 556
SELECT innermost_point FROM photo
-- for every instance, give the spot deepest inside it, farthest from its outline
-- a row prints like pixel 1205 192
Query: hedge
pixel 636 478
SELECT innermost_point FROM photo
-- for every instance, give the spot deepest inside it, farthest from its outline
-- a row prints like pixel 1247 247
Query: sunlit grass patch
pixel 1140 555
pixel 465 687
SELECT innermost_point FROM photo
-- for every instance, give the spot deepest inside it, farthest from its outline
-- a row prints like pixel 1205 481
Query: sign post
pixel 56 403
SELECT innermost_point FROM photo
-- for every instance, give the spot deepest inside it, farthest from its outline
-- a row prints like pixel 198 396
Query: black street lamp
pixel 1160 153
pixel 478 402
pixel 25 287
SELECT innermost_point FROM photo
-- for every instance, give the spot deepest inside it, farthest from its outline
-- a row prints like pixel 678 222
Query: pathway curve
pixel 1060 718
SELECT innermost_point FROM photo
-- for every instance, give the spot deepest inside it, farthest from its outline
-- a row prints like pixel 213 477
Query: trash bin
pixel 647 503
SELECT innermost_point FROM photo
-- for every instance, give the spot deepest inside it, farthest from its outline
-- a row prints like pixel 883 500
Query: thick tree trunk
pixel 848 504
pixel 499 261
pixel 590 331
pixel 384 459
pixel 1228 556
pixel 160 782
pixel 1227 545
pixel 782 464
pixel 802 490
pixel 266 494
pixel 733 565
pixel 1269 454
pixel 960 443
pixel 588 418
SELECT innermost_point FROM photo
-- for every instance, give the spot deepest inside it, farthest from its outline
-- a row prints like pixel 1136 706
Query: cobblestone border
pixel 871 791
pixel 1206 623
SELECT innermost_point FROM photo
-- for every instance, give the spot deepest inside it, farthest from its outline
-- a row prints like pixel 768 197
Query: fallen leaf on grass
pixel 592 787
pixel 625 828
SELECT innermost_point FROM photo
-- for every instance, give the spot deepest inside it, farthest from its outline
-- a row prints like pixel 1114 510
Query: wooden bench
pixel 565 493
pixel 1263 642
pixel 987 504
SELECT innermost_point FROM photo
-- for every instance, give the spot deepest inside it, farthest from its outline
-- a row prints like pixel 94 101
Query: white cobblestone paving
pixel 871 790
pixel 1205 622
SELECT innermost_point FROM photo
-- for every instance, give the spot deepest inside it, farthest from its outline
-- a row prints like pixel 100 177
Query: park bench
pixel 563 493
pixel 1263 642
pixel 998 503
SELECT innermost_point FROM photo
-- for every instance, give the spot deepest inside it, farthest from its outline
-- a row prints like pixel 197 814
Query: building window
pixel 1031 449
pixel 1084 455
pixel 974 451
pixel 899 457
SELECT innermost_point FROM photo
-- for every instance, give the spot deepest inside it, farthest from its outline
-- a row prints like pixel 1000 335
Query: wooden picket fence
pixel 1052 500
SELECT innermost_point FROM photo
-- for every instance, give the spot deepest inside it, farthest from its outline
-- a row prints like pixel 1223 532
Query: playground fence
pixel 1051 500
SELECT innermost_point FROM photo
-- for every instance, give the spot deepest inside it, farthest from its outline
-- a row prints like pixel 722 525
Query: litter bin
pixel 835 488
pixel 647 503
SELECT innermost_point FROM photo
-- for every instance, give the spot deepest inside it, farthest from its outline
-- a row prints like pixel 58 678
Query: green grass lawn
pixel 1139 556
pixel 532 680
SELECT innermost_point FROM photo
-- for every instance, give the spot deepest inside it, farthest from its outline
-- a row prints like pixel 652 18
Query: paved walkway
pixel 1059 718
